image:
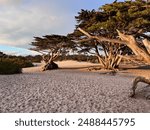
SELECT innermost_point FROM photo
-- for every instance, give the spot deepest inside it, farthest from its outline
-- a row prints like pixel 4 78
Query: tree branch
pixel 100 38
pixel 147 45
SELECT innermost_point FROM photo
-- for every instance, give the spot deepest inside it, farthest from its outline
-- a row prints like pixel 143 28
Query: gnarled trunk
pixel 49 63
pixel 147 45
pixel 127 40
pixel 111 60
pixel 136 81
pixel 132 44
pixel 50 66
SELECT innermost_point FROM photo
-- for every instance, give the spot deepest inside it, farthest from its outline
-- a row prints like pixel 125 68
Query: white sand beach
pixel 71 90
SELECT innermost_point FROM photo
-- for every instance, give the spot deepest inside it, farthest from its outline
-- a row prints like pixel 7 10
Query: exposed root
pixel 94 68
pixel 50 66
pixel 136 81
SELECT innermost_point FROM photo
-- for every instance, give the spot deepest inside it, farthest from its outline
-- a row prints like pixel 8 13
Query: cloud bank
pixel 10 2
pixel 21 20
pixel 20 23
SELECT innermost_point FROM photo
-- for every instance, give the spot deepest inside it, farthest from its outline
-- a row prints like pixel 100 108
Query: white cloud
pixel 21 20
pixel 19 25
pixel 10 2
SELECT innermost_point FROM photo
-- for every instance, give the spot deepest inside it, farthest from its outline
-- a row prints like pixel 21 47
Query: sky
pixel 21 20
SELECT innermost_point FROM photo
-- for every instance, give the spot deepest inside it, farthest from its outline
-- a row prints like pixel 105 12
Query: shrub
pixel 8 67
pixel 22 63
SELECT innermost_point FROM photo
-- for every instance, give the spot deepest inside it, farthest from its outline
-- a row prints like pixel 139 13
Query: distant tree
pixel 2 54
pixel 129 17
pixel 51 46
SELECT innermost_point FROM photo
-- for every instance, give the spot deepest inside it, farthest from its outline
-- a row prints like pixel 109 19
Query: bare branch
pixel 84 32
pixel 84 40
pixel 147 45
pixel 100 38
pixel 128 40
pixel 133 45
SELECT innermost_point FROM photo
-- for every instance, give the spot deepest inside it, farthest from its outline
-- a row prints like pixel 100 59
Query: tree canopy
pixel 129 17
pixel 51 46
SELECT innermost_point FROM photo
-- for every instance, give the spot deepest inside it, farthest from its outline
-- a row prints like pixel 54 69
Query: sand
pixel 72 90
pixel 69 64
pixel 128 69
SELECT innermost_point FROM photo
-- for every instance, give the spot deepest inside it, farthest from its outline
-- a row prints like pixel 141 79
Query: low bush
pixel 22 63
pixel 8 67
pixel 13 64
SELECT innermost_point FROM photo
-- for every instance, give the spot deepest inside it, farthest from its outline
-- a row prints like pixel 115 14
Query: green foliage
pixel 54 43
pixel 9 67
pixel 19 61
pixel 32 59
pixel 23 62
pixel 128 16
pixel 86 58
pixel 51 46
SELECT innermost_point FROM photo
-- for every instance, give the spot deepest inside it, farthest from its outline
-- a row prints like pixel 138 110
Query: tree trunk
pixel 132 44
pixel 100 59
pixel 49 65
pixel 130 41
pixel 126 40
pixel 147 45
pixel 111 60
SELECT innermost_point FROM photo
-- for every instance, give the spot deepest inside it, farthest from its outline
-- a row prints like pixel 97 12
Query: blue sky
pixel 21 20
pixel 17 50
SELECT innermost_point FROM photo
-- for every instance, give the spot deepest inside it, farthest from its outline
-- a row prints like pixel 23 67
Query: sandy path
pixel 70 91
